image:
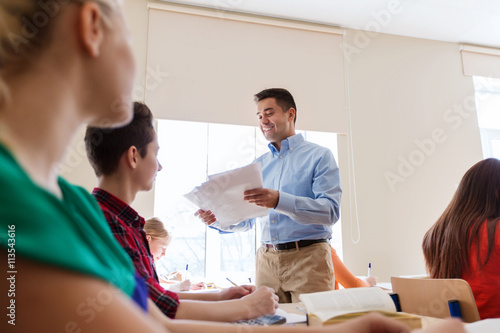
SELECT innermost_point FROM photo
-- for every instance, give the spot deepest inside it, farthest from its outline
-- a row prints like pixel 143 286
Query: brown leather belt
pixel 294 245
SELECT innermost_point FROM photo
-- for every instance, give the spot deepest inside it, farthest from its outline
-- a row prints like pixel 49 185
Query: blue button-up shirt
pixel 307 178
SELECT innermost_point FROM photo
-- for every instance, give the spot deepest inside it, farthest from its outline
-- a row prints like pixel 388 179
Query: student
pixel 302 190
pixel 72 275
pixel 344 277
pixel 159 239
pixel 465 241
pixel 74 69
pixel 125 162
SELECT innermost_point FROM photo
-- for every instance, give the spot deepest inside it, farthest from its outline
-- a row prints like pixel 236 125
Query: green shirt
pixel 71 233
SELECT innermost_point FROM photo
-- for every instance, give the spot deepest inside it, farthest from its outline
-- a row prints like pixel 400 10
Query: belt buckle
pixel 275 247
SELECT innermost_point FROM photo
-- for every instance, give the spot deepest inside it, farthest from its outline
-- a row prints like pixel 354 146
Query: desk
pixel 292 308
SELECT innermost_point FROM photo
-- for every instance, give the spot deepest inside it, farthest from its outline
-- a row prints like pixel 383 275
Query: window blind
pixel 213 62
pixel 480 61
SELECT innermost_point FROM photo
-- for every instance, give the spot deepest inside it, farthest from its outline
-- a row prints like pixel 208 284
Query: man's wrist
pixel 277 201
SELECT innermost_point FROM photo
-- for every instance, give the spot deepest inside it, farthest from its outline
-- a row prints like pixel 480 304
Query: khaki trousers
pixel 291 272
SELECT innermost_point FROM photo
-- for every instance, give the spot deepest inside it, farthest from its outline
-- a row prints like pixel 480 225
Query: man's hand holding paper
pixel 262 197
pixel 222 197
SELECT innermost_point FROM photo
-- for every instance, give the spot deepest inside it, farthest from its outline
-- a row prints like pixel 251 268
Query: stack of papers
pixel 223 195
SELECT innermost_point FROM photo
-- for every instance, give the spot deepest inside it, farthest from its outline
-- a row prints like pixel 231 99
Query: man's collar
pixel 289 143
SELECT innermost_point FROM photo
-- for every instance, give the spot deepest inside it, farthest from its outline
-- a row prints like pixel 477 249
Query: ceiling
pixel 475 22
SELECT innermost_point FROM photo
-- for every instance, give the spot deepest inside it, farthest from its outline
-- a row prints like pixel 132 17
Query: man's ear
pixel 132 156
pixel 292 114
pixel 91 28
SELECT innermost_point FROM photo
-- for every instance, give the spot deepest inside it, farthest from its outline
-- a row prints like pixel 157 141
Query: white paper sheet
pixel 223 194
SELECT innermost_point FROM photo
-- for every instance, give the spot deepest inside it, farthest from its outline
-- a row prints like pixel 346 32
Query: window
pixel 488 112
pixel 190 151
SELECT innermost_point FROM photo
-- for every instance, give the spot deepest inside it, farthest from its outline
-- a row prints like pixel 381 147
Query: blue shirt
pixel 307 178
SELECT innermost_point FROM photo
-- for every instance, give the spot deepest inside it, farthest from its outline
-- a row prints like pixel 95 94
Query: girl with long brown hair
pixel 465 240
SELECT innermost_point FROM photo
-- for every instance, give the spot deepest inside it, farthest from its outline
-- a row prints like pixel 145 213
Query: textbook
pixel 336 306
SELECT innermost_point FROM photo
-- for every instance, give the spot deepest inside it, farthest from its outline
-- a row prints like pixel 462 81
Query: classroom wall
pixel 403 94
pixel 414 133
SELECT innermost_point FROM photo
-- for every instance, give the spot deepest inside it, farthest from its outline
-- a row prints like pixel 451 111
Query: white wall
pixel 401 90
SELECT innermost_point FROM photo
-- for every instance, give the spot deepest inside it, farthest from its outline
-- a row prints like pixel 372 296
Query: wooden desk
pixel 292 308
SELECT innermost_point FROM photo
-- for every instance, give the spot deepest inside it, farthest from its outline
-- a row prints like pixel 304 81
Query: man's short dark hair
pixel 283 98
pixel 106 146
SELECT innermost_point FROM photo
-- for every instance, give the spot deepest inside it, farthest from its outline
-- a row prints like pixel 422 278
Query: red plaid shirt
pixel 128 228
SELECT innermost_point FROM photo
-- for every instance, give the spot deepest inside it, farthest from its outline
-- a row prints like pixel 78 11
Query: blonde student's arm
pixel 49 299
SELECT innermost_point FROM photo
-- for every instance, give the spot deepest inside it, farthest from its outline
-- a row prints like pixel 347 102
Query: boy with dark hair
pixel 125 162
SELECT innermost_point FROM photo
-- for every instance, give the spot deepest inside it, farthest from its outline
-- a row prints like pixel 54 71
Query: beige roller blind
pixel 213 63
pixel 480 61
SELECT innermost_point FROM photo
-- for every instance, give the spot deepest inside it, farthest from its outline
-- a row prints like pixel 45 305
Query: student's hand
pixel 198 286
pixel 370 323
pixel 261 302
pixel 236 292
pixel 262 197
pixel 369 281
pixel 206 216
pixel 180 286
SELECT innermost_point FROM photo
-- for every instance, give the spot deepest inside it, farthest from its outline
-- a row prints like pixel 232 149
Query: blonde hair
pixel 155 228
pixel 25 27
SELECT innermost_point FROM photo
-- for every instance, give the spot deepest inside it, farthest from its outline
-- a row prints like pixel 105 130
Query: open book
pixel 331 307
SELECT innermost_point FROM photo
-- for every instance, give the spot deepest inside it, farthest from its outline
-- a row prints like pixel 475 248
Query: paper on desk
pixel 223 194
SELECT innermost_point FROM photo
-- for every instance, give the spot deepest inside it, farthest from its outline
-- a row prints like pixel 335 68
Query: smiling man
pixel 302 188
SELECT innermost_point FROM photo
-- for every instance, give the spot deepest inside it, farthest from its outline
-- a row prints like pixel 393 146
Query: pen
pixel 301 310
pixel 369 269
pixel 234 284
pixel 185 275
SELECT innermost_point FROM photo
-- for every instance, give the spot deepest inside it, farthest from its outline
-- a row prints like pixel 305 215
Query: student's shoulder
pixel 75 189
pixel 11 174
pixel 80 195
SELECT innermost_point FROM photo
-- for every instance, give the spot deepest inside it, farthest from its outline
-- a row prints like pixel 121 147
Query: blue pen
pixel 185 275
pixel 369 269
